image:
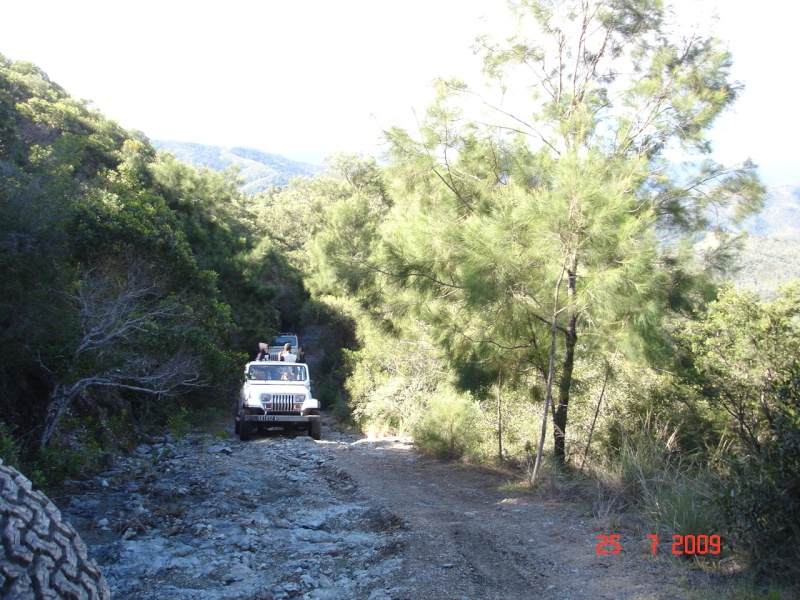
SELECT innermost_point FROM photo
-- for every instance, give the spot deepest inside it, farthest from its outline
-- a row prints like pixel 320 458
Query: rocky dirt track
pixel 349 518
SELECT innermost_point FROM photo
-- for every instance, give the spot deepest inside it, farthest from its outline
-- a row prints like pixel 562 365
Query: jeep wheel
pixel 236 416
pixel 42 556
pixel 245 427
pixel 315 428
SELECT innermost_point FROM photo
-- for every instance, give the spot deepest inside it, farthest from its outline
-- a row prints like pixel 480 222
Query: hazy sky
pixel 305 79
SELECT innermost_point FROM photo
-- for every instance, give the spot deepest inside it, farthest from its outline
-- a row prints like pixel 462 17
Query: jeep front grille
pixel 282 401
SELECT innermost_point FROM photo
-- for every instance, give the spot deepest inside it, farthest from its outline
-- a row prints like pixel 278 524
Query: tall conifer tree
pixel 553 223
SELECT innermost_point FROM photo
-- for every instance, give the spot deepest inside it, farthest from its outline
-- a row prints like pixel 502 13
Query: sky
pixel 308 78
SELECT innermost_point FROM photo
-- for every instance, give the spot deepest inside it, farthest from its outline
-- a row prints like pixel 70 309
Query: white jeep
pixel 277 394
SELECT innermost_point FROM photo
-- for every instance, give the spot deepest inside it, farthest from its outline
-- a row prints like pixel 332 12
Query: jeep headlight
pixel 252 400
pixel 300 398
pixel 266 398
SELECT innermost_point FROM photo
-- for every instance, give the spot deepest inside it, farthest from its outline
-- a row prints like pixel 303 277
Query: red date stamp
pixel 612 541
pixel 681 544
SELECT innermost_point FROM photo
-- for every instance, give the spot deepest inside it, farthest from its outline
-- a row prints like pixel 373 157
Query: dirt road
pixel 210 517
pixel 468 538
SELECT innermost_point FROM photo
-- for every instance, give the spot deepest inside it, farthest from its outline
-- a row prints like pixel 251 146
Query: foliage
pixel 391 380
pixel 132 282
pixel 106 268
pixel 527 236
pixel 450 428
pixel 743 356
pixel 674 497
pixel 334 325
pixel 219 225
pixel 638 394
pixel 179 423
pixel 76 450
pixel 767 263
pixel 738 349
pixel 9 449
pixel 522 250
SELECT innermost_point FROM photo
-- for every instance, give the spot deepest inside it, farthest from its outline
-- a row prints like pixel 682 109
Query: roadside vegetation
pixel 522 282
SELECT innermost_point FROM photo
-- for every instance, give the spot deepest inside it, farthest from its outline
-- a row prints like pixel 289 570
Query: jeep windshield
pixel 286 339
pixel 277 373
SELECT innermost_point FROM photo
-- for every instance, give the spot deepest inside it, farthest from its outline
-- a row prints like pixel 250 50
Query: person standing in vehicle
pixel 263 352
pixel 286 354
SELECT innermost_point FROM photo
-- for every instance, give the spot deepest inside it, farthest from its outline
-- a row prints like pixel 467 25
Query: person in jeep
pixel 286 354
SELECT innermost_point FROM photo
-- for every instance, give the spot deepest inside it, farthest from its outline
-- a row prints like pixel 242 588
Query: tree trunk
pixel 567 366
pixel 59 401
pixel 550 376
pixel 596 413
pixel 564 385
pixel 499 425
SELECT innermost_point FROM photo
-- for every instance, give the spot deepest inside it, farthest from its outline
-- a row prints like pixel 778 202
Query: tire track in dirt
pixel 470 535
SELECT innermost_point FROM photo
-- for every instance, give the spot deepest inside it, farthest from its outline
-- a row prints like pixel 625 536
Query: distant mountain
pixel 781 214
pixel 259 170
pixel 771 256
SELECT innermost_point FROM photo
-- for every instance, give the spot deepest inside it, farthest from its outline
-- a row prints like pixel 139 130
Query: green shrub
pixel 762 496
pixel 120 431
pixel 450 428
pixel 682 504
pixel 74 451
pixel 328 393
pixel 670 493
pixel 9 449
pixel 180 423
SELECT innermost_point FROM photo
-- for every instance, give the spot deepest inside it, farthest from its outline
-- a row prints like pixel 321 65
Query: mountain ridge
pixel 769 258
pixel 257 169
pixel 780 216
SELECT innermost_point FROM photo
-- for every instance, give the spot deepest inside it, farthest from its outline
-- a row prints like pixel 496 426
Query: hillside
pixel 770 257
pixel 781 215
pixel 259 170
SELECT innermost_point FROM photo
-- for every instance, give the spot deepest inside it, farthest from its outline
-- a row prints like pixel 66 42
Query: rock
pixel 200 525
pixel 144 449
pixel 312 523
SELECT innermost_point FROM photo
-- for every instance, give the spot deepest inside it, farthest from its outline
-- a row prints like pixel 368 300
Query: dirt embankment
pixel 349 518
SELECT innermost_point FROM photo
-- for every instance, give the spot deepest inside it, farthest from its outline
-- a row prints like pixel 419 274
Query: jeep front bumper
pixel 280 418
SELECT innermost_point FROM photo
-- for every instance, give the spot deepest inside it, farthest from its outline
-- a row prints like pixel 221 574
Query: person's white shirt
pixel 288 357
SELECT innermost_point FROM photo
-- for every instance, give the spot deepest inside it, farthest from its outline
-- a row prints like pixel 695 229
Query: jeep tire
pixel 41 556
pixel 315 428
pixel 245 427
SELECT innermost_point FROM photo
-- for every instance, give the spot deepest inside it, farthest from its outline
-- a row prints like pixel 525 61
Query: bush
pixel 74 451
pixel 450 428
pixel 672 494
pixel 741 354
pixel 762 496
pixel 9 448
pixel 327 322
pixel 180 423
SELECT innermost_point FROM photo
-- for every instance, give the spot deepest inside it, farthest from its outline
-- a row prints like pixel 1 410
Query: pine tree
pixel 525 235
